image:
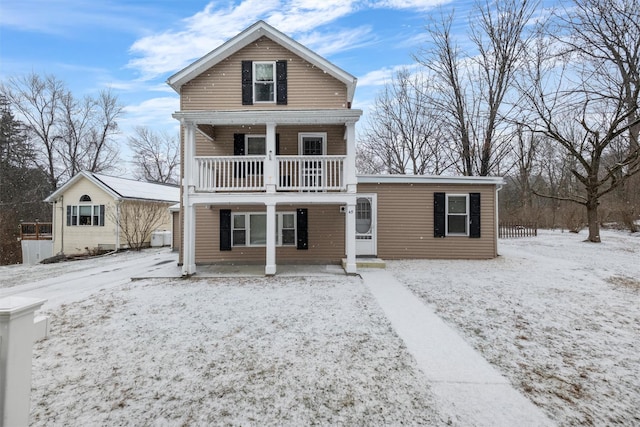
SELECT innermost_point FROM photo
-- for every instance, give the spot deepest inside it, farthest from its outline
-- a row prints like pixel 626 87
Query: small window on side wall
pixel 456 215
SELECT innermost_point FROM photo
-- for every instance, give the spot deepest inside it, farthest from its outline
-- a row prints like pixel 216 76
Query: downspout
pixel 498 188
pixel 117 225
pixel 62 221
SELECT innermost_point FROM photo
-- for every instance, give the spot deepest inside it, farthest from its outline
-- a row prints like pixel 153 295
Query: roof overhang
pixel 430 179
pixel 278 117
pixel 53 197
pixel 250 35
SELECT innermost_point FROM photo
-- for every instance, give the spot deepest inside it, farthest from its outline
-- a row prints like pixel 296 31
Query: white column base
pixel 351 268
pixel 188 270
pixel 270 270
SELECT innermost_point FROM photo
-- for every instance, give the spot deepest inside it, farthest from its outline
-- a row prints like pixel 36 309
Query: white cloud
pixel 172 50
pixel 154 112
pixel 409 4
pixel 328 43
pixel 305 20
pixel 384 75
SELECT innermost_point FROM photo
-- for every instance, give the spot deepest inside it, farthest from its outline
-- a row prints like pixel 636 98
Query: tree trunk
pixel 592 219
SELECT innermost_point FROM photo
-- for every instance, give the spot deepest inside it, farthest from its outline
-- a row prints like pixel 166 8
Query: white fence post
pixel 17 332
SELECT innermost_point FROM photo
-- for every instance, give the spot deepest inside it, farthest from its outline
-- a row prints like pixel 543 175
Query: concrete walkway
pixel 469 390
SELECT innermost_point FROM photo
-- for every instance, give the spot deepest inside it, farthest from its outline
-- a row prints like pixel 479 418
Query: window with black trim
pixel 264 81
pixel 456 215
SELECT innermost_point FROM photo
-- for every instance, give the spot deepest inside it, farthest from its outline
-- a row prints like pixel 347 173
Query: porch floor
pixel 173 270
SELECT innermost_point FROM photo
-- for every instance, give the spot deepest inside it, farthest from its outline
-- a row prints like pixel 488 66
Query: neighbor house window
pixel 264 82
pixel 250 229
pixel 85 215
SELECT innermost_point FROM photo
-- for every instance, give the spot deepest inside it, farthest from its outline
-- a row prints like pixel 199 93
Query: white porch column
pixel 350 230
pixel 270 265
pixel 17 333
pixel 188 187
pixel 270 165
pixel 350 162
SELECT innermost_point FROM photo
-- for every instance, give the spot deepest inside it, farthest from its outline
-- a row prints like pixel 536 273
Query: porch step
pixel 366 263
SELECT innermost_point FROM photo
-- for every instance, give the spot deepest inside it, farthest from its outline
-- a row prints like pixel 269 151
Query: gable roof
pixel 250 35
pixel 123 188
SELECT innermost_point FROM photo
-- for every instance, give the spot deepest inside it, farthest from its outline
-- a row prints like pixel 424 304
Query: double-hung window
pixel 457 214
pixel 250 229
pixel 264 81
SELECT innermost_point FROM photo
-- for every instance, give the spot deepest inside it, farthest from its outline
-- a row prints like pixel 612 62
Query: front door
pixel 366 226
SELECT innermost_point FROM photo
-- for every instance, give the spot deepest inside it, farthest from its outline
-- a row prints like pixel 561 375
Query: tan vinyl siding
pixel 222 145
pixel 176 230
pixel 405 222
pixel 326 237
pixel 220 88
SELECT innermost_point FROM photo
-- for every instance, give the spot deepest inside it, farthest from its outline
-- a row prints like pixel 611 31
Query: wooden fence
pixel 517 229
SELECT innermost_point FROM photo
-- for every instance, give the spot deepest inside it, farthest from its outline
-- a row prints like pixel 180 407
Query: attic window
pixel 85 198
pixel 264 81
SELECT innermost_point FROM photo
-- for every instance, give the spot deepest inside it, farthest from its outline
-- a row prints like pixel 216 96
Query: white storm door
pixel 366 226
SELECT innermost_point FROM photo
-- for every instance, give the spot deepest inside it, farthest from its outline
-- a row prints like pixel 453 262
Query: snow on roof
pixel 123 188
pixel 132 189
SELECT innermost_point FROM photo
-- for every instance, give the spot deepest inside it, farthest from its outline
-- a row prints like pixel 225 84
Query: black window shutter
pixel 101 215
pixel 281 79
pixel 474 217
pixel 302 224
pixel 238 150
pixel 439 201
pixel 247 83
pixel 225 229
pixel 277 144
pixel 69 215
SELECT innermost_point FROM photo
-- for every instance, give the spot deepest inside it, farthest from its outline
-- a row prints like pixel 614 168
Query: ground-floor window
pixel 457 214
pixel 85 215
pixel 250 229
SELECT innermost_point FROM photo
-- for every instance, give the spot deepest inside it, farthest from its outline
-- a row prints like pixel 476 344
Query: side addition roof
pixel 123 188
pixel 247 37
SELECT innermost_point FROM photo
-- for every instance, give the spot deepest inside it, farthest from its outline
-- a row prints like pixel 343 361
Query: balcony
pixel 247 173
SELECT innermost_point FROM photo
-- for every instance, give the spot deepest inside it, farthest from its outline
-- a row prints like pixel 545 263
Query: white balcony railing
pixel 246 173
pixel 226 173
pixel 311 173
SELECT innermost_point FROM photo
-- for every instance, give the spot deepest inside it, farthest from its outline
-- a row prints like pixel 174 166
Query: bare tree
pixel 583 103
pixel 156 155
pixel 37 102
pixel 136 220
pixel 67 134
pixel 403 133
pixel 473 89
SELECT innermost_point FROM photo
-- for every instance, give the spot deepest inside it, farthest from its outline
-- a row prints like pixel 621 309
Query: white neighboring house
pixel 86 209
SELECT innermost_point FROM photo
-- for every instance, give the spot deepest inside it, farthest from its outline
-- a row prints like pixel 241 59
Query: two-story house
pixel 268 167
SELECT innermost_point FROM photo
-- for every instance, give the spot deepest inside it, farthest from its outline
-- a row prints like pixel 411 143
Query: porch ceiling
pixel 278 117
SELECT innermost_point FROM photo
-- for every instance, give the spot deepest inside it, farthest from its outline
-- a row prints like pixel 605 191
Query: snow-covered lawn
pixel 285 351
pixel 558 316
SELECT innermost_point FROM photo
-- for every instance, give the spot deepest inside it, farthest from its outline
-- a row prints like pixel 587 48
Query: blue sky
pixel 133 46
